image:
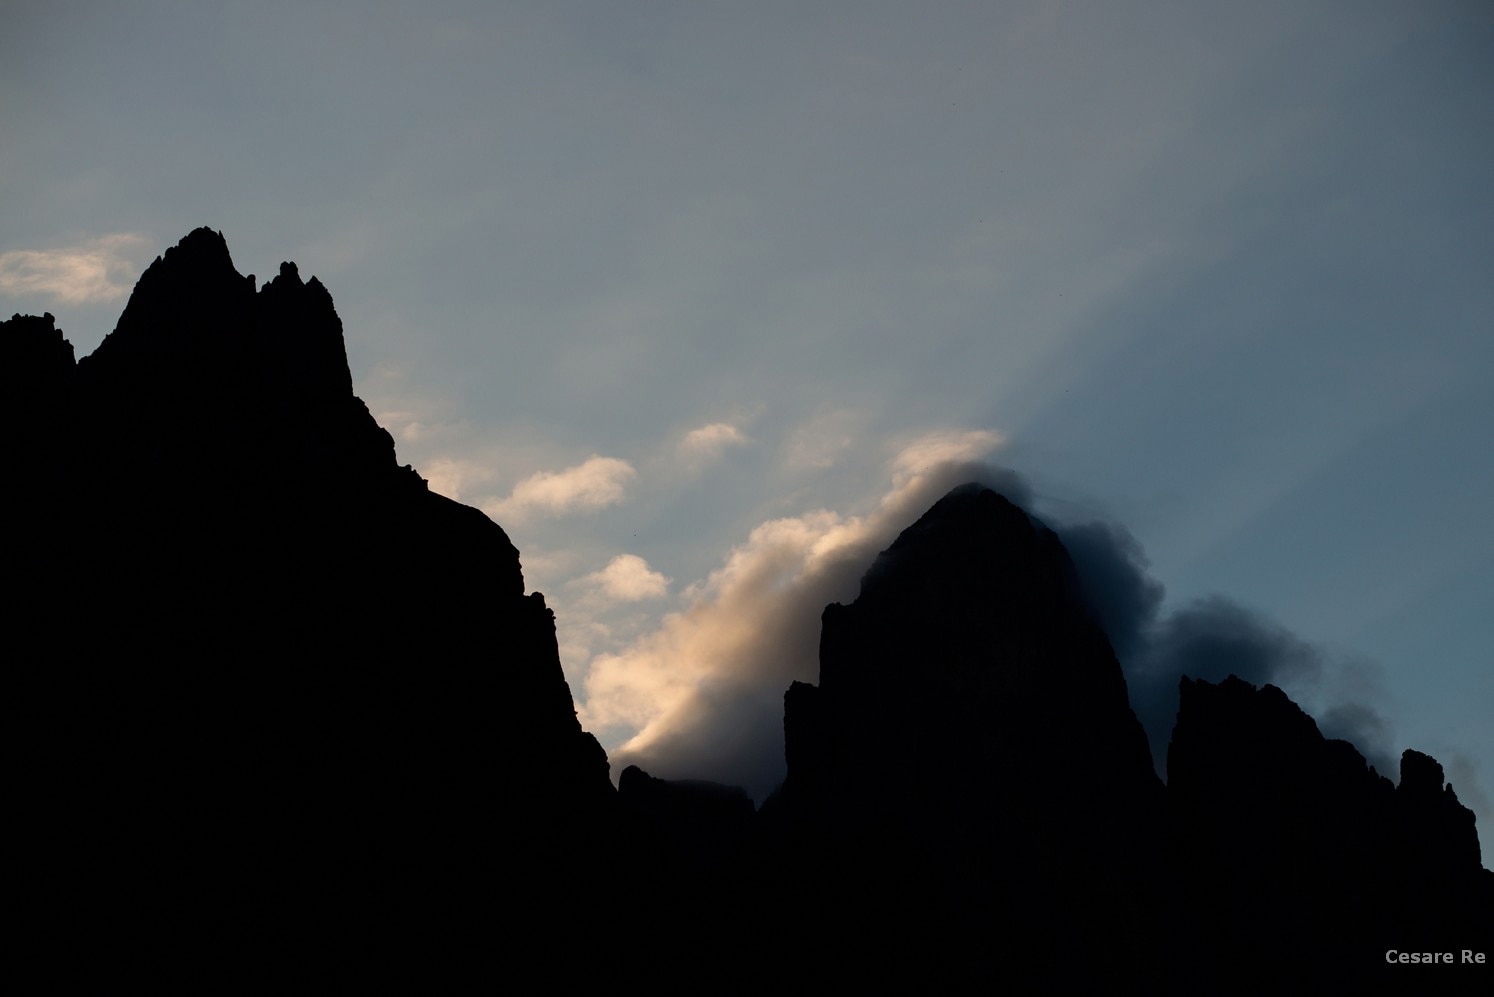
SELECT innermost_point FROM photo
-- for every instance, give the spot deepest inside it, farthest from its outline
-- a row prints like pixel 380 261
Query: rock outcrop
pixel 970 754
pixel 1297 861
pixel 257 659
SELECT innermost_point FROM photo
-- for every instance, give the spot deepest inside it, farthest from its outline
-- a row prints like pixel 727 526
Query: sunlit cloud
pixel 628 578
pixel 709 442
pixel 451 476
pixel 96 270
pixel 930 451
pixel 593 484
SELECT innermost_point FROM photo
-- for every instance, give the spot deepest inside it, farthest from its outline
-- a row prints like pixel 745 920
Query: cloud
pixel 1215 638
pixel 704 690
pixel 449 476
pixel 1364 727
pixel 939 449
pixel 708 442
pixel 1211 639
pixel 592 484
pixel 1123 598
pixel 628 578
pixel 1463 776
pixel 95 270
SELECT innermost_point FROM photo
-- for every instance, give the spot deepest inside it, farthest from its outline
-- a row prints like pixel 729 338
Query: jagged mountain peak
pixel 203 238
pixel 34 350
pixel 189 310
pixel 259 371
pixel 192 311
pixel 268 662
pixel 201 249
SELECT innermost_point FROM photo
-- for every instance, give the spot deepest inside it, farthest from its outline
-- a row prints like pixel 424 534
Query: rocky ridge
pixel 266 660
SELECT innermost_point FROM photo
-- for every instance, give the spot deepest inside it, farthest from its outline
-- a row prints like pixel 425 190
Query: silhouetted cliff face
pixel 1298 860
pixel 257 652
pixel 970 747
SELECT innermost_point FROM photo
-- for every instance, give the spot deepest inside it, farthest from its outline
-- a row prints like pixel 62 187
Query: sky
pixel 704 302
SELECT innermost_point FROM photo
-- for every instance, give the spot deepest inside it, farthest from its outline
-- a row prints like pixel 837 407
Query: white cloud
pixel 945 447
pixel 708 442
pixel 628 578
pixel 705 688
pixel 100 269
pixel 592 484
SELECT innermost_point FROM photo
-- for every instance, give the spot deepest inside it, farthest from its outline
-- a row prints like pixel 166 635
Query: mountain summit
pixel 1015 789
pixel 263 660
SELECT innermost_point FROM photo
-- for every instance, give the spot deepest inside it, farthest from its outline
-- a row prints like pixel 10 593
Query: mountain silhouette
pixel 1019 795
pixel 274 696
pixel 262 660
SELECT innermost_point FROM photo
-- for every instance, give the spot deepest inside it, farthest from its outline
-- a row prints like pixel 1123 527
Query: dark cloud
pixel 1121 595
pixel 1364 727
pixel 1211 639
pixel 1214 638
pixel 1463 776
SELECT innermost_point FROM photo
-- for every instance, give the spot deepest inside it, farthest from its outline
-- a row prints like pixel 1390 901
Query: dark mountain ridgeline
pixel 1290 844
pixel 274 695
pixel 257 659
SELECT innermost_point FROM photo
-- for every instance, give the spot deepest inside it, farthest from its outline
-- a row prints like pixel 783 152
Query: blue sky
pixel 697 299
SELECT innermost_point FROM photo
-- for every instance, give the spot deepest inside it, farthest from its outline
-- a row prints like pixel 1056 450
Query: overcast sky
pixel 697 300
